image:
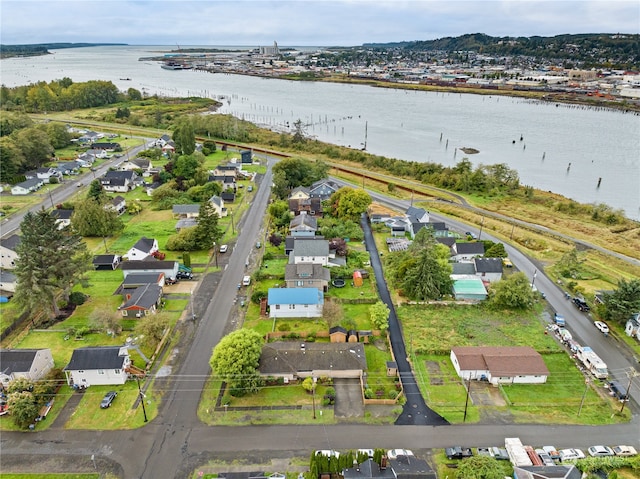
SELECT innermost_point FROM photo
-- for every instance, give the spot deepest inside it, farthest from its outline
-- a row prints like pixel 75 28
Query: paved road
pixel 176 442
pixel 619 359
pixel 67 189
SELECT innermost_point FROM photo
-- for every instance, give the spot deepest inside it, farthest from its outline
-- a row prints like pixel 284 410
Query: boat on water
pixel 125 79
pixel 175 66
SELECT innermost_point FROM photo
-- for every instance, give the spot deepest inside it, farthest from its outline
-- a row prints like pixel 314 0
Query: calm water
pixel 563 149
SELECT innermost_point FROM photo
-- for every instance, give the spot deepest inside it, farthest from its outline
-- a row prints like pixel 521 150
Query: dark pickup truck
pixel 581 304
pixel 458 452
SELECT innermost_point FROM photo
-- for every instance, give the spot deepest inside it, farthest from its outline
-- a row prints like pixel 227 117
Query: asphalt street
pixel 176 441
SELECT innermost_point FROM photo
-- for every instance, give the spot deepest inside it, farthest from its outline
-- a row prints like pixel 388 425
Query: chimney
pixel 383 463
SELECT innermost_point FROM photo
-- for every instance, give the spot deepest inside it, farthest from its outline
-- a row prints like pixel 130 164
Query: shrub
pixel 77 298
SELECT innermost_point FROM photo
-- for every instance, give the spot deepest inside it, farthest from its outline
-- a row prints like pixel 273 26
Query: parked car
pixel 258 245
pixel 499 453
pixel 458 452
pixel 553 453
pixel 602 327
pixel 559 320
pixel 223 248
pixel 170 281
pixel 624 451
pixel 600 451
pixel 394 453
pixel 184 275
pixel 327 453
pixel 618 391
pixel 108 399
pixel 545 457
pixel 506 262
pixel 471 235
pixel 483 451
pixel 571 454
pixel 581 304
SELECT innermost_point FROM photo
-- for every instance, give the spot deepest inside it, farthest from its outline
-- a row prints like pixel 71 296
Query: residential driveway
pixel 349 401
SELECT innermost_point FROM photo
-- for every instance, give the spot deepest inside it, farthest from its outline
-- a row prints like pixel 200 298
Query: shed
pixel 392 368
pixel 469 289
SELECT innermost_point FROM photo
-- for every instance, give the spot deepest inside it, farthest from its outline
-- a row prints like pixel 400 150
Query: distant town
pixel 579 69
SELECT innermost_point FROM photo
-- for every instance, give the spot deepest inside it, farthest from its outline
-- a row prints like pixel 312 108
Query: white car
pixel 394 453
pixel 328 453
pixel 600 451
pixel 368 452
pixel 624 451
pixel 602 327
pixel 571 454
pixel 223 248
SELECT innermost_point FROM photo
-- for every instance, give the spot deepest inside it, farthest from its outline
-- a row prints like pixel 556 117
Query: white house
pixel 63 217
pixel 104 365
pixel 119 181
pixel 144 247
pixel 488 269
pixel 310 251
pixel 32 364
pixel 500 365
pixel 632 328
pixel 7 282
pixel 295 302
pixel 467 251
pixel 8 254
pixel 27 186
pixel 218 205
pixel 169 268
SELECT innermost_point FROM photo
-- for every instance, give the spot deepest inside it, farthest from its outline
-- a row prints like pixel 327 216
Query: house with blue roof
pixel 295 302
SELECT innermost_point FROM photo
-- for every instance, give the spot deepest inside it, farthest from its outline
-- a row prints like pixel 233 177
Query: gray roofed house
pixel 467 251
pixel 559 471
pixel 8 251
pixel 63 217
pixel 410 467
pixel 303 225
pixel 307 275
pixel 463 269
pixel 32 364
pixel 106 261
pixel 419 215
pixel 144 300
pixel 143 248
pixel 323 189
pixel 135 280
pixel 186 211
pixel 169 268
pixel 27 186
pixel 118 204
pixel 119 181
pixel 7 281
pixel 102 365
pixel 310 251
pixel 489 269
pixel 368 469
pixel 290 240
pixel 218 205
pixel 293 359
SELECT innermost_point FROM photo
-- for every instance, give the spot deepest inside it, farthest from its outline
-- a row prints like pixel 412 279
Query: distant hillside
pixel 35 49
pixel 589 50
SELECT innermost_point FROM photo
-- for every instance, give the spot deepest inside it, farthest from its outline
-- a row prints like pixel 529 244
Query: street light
pixel 533 280
pixel 193 316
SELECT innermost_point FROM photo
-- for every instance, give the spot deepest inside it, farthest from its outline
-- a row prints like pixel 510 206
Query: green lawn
pixel 436 329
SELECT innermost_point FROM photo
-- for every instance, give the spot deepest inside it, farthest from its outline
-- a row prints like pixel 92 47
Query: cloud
pixel 303 22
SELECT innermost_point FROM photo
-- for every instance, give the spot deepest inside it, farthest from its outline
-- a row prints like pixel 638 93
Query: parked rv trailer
pixel 592 362
pixel 517 452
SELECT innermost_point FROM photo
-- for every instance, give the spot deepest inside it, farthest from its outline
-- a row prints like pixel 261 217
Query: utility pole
pixel 632 374
pixel 144 411
pixel 313 397
pixel 481 226
pixel 584 395
pixel 466 403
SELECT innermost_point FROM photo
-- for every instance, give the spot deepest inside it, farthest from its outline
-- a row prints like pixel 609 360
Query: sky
pixel 303 22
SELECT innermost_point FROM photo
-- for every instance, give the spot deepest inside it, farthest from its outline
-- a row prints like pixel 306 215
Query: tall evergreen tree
pixel 208 230
pixel 184 137
pixel 91 218
pixel 50 263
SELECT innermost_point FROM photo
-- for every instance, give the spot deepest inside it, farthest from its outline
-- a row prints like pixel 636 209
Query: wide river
pixel 559 148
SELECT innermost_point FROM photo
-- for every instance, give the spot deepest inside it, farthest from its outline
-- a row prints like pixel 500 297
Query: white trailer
pixel 592 362
pixel 517 452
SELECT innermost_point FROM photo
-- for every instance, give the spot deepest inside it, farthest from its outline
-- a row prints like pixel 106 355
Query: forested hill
pixel 589 49
pixel 34 49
